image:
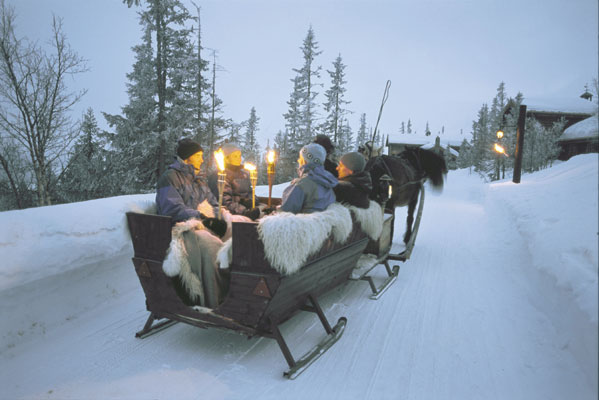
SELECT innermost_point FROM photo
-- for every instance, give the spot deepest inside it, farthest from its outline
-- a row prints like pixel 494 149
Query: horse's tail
pixel 434 167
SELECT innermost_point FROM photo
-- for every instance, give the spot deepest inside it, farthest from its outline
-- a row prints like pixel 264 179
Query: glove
pixel 247 203
pixel 252 214
pixel 218 226
pixel 269 210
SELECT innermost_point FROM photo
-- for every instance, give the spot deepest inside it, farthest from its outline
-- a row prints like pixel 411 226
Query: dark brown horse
pixel 406 173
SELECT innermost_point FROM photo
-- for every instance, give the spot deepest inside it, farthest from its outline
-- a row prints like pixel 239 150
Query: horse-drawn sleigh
pixel 262 294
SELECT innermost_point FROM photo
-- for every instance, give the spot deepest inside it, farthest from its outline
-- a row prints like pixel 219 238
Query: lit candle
pixel 219 156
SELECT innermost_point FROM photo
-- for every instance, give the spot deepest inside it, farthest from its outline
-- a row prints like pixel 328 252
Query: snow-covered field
pixel 499 301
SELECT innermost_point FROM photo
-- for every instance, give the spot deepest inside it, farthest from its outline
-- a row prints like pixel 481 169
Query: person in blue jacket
pixel 181 188
pixel 313 189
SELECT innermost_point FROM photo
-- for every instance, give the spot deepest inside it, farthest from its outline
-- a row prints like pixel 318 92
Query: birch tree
pixel 35 102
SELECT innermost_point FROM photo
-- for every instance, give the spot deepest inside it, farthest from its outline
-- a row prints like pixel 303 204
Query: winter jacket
pixel 312 191
pixel 180 191
pixel 354 189
pixel 331 166
pixel 237 187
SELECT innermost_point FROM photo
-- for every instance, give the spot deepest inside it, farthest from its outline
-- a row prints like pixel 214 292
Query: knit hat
pixel 187 148
pixel 229 148
pixel 354 161
pixel 313 152
pixel 325 142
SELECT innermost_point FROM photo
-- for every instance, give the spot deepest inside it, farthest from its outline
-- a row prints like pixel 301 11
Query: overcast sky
pixel 445 58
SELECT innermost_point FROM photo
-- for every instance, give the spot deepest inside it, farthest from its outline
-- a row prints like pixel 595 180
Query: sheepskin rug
pixel 370 219
pixel 289 239
pixel 177 257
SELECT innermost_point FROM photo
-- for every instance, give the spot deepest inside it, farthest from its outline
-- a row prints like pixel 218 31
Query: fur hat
pixel 354 161
pixel 313 152
pixel 229 148
pixel 187 148
pixel 325 142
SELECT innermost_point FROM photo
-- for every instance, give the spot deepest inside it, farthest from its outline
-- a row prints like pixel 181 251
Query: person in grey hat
pixel 355 184
pixel 313 189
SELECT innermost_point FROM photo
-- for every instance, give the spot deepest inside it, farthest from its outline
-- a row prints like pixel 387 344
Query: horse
pixel 406 173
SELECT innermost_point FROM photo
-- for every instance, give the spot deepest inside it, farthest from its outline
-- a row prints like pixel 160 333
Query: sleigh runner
pixel 259 299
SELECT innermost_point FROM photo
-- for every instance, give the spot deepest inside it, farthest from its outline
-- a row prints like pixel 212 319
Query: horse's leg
pixel 410 219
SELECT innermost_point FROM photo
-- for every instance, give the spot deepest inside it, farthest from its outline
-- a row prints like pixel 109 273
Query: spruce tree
pixel 251 148
pixel 362 135
pixel 335 103
pixel 307 75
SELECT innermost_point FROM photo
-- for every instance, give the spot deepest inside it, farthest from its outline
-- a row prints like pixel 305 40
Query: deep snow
pixel 499 300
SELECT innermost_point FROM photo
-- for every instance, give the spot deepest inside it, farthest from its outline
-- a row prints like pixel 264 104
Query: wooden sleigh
pixel 259 298
pixel 381 251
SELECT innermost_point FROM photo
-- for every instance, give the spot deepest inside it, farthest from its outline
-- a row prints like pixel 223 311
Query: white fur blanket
pixel 370 219
pixel 177 259
pixel 289 239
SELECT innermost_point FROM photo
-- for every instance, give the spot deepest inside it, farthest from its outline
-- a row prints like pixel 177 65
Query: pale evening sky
pixel 444 58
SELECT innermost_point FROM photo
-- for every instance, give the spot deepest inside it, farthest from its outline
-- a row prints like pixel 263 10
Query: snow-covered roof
pixel 425 142
pixel 409 139
pixel 587 128
pixel 568 105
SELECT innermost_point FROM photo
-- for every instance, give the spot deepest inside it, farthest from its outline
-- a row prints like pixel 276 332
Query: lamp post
pixel 219 156
pixel 270 159
pixel 519 137
pixel 253 179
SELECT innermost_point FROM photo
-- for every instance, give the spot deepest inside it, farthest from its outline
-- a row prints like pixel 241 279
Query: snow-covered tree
pixel 306 85
pixel 35 103
pixel 362 135
pixel 251 148
pixel 335 102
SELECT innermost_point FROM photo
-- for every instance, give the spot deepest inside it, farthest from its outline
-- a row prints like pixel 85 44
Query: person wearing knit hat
pixel 237 194
pixel 329 163
pixel 355 184
pixel 187 147
pixel 181 188
pixel 313 189
pixel 180 191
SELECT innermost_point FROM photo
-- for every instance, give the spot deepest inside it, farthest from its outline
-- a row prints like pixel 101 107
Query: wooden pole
pixel 519 144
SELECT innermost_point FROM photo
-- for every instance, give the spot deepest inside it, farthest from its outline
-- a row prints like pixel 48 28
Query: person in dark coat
pixel 180 191
pixel 329 163
pixel 237 194
pixel 181 188
pixel 355 184
pixel 313 189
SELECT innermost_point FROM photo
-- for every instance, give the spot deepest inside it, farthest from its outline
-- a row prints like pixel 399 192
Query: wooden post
pixel 519 144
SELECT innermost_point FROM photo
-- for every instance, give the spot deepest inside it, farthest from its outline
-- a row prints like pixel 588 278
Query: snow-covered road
pixel 465 320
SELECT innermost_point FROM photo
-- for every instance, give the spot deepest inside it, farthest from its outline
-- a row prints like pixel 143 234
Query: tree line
pixel 540 147
pixel 47 157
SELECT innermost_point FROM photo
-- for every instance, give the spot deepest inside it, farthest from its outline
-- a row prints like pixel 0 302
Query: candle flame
pixel 249 167
pixel 500 134
pixel 499 148
pixel 270 157
pixel 219 156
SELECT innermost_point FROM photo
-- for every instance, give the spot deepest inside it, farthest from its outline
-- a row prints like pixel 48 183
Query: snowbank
pixel 39 242
pixel 556 211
